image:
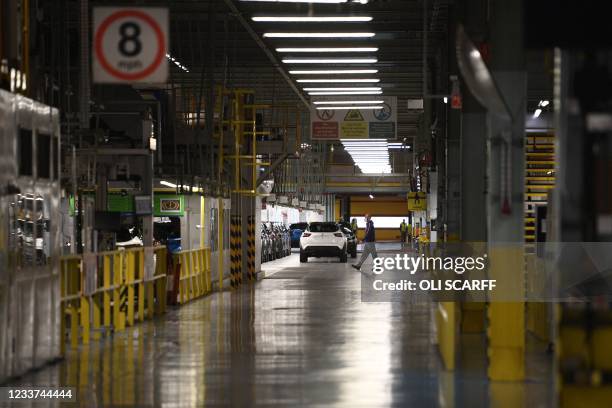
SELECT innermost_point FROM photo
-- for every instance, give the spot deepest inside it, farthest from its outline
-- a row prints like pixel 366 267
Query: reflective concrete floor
pixel 300 337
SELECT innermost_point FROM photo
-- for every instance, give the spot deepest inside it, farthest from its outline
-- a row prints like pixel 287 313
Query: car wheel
pixel 303 258
pixel 343 257
pixel 354 253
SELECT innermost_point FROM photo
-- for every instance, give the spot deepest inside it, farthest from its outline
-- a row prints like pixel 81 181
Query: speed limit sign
pixel 130 44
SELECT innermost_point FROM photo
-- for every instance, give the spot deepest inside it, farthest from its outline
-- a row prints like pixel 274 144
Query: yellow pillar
pixel 129 282
pixel 106 296
pixel 141 284
pixel 506 331
pixel 85 318
pixel 220 243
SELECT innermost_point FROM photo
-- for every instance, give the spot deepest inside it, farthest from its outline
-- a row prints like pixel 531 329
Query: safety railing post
pixel 118 271
pixel 106 295
pixel 139 272
pixel 129 283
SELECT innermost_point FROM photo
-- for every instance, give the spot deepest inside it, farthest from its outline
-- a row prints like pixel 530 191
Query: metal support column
pixel 506 331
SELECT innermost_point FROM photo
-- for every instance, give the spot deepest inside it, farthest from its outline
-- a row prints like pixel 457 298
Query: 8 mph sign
pixel 130 45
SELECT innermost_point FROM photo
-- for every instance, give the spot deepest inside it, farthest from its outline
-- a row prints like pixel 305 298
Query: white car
pixel 323 239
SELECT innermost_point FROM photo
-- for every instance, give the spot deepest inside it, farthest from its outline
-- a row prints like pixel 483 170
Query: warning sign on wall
pixel 325 130
pixel 130 44
pixel 328 124
pixel 354 130
pixel 417 201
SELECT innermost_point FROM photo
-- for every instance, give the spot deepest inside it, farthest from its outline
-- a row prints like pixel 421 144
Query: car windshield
pixel 323 227
pixel 301 225
pixel 347 231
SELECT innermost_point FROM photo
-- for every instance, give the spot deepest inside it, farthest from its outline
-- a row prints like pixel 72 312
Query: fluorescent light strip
pixel 299 19
pixel 328 49
pixel 347 102
pixel 348 107
pixel 370 155
pixel 183 186
pixel 346 93
pixel 176 62
pixel 333 71
pixel 322 81
pixel 319 35
pixel 300 1
pixel 364 88
pixel 330 61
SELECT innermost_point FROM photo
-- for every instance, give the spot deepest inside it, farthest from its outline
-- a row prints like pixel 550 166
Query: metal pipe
pixel 26 43
pixel 210 97
pixel 425 47
pixel 199 110
pixel 85 87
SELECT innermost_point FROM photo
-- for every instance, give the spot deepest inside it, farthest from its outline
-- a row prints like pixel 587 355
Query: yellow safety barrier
pixel 108 290
pixel 195 275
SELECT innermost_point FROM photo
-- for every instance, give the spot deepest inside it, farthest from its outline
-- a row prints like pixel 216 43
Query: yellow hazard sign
pixel 354 130
pixel 353 115
pixel 417 201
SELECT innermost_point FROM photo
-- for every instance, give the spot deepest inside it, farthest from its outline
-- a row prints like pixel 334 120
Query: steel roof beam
pixel 266 50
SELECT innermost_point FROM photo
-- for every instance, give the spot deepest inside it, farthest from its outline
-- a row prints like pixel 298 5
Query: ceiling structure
pixel 238 38
pixel 256 63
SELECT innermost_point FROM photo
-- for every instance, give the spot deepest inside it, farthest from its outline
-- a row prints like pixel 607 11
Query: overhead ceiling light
pixel 365 88
pixel 306 1
pixel 371 197
pixel 327 49
pixel 346 102
pixel 320 35
pixel 398 146
pixel 167 184
pixel 370 155
pixel 333 71
pixel 183 186
pixel 537 113
pixel 544 103
pixel 346 93
pixel 362 80
pixel 330 61
pixel 177 63
pixel 349 107
pixel 300 19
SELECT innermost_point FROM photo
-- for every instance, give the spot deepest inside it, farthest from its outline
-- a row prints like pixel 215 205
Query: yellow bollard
pixel 85 302
pixel 106 295
pixel 202 257
pixel 139 271
pixel 96 312
pixel 150 299
pixel 74 325
pixel 118 271
pixel 445 321
pixel 129 282
pixel 182 280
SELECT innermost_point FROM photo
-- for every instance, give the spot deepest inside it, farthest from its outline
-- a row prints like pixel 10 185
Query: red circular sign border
pixel 102 30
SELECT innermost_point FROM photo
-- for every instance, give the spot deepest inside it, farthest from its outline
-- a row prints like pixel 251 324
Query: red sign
pixel 324 130
pixel 456 102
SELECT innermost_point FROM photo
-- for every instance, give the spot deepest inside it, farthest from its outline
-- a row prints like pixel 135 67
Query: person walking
pixel 369 243
pixel 403 231
pixel 354 227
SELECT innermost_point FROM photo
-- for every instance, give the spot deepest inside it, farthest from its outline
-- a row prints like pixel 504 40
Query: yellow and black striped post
pixel 233 252
pixel 239 250
pixel 251 248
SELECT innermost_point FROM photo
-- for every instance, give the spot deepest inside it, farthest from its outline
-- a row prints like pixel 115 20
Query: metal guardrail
pixel 194 279
pixel 109 290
